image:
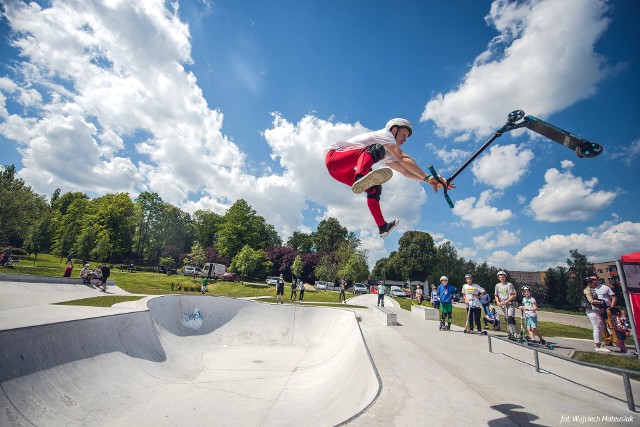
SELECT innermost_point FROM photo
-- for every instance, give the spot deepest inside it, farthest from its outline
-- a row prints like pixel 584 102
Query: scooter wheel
pixel 465 331
pixel 516 115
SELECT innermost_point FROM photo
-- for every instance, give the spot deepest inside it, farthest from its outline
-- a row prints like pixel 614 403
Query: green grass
pixel 631 363
pixel 105 301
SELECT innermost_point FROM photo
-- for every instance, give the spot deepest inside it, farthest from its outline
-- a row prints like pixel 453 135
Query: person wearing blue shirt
pixel 446 292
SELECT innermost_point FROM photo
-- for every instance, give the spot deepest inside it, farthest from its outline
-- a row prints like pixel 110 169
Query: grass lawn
pixel 631 363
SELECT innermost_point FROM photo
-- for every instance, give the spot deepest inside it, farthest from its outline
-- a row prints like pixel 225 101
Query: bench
pixel 425 313
pixel 388 317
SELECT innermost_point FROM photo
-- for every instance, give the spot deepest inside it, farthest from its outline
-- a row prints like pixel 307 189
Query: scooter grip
pixel 437 178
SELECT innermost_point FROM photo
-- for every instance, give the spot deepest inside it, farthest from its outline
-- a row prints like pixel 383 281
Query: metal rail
pixel 625 372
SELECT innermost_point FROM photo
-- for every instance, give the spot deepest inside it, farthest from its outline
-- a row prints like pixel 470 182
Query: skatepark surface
pixel 201 360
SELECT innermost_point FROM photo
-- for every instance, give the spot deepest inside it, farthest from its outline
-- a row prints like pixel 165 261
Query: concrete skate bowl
pixel 189 360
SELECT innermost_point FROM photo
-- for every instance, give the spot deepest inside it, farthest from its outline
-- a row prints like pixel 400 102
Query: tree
pixel 297 266
pixel 20 207
pixel 242 226
pixel 281 257
pixel 68 217
pixel 354 268
pixel 113 218
pixel 39 236
pixel 301 242
pixel 555 281
pixel 415 256
pixel 148 214
pixel 579 269
pixel 196 256
pixel 247 261
pixel 327 268
pixel 329 235
pixel 205 227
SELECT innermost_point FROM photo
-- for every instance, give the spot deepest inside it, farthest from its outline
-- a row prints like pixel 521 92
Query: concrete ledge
pixel 387 316
pixel 425 313
pixel 30 278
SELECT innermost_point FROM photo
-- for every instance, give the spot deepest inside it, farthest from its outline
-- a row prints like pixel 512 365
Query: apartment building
pixel 607 272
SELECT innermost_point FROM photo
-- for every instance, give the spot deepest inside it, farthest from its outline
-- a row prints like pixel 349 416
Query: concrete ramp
pixel 189 360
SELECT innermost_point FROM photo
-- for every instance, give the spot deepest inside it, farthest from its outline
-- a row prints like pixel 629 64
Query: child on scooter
pixel 529 309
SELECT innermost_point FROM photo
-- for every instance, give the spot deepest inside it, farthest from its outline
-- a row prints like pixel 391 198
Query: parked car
pixel 188 270
pixel 230 277
pixel 359 288
pixel 397 292
pixel 198 271
pixel 321 285
pixel 267 280
pixel 163 269
pixel 272 280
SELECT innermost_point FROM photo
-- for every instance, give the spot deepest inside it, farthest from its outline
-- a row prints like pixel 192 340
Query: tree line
pixel 148 231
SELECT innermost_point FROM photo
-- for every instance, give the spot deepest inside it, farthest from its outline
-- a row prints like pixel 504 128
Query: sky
pixel 205 102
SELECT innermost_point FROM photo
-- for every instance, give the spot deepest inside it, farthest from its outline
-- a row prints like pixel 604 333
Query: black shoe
pixel 387 227
pixel 543 342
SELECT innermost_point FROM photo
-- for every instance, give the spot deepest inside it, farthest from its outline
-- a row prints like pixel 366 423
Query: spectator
pixel 493 318
pixel 343 286
pixel 205 282
pixel 419 294
pixel 84 274
pixel 620 329
pixel 606 295
pixel 485 300
pixel 69 256
pixel 505 296
pixel 280 289
pixel 381 290
pixel 6 254
pixel 294 289
pixel 435 298
pixel 67 270
pixel 592 306
pixel 471 293
pixel 105 273
pixel 301 286
pixel 446 292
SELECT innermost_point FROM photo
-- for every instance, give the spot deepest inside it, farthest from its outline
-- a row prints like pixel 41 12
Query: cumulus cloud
pixel 565 197
pixel 496 239
pixel 605 243
pixel 479 213
pixel 502 166
pixel 528 57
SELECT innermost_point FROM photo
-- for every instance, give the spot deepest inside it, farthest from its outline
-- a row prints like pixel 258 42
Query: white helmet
pixel 501 273
pixel 401 123
pixel 444 278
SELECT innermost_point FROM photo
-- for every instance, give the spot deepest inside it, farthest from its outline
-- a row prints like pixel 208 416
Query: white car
pixel 360 288
pixel 273 280
pixel 397 292
pixel 321 286
pixel 188 270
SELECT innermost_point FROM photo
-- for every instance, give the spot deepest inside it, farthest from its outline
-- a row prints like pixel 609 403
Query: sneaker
pixel 388 227
pixel 603 349
pixel 543 342
pixel 375 177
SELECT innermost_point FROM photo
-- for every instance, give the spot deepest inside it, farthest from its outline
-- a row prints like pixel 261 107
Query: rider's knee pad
pixel 374 192
pixel 376 151
pixel 511 320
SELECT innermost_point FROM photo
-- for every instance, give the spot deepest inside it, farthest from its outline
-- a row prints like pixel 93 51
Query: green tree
pixel 39 236
pixel 327 268
pixel 416 255
pixel 248 261
pixel 113 218
pixel 147 217
pixel 579 269
pixel 196 256
pixel 20 207
pixel 205 227
pixel 297 266
pixel 354 268
pixel 242 226
pixel 301 242
pixel 86 243
pixel 329 235
pixel 68 216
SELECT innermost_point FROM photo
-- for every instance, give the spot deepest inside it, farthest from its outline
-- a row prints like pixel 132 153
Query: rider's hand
pixel 435 184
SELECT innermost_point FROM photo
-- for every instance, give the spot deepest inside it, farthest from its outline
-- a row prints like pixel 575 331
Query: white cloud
pixel 453 157
pixel 528 58
pixel 502 166
pixel 496 239
pixel 565 197
pixel 479 213
pixel 605 243
pixel 627 154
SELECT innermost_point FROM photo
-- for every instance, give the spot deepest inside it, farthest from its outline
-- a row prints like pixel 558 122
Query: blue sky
pixel 205 102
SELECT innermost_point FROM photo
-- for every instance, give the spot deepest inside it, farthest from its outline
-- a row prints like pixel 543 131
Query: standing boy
pixel 505 297
pixel 381 290
pixel 472 293
pixel 205 282
pixel 529 309
pixel 445 293
pixel 280 289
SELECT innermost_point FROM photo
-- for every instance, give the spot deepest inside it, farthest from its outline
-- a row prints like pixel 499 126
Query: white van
pixel 213 270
